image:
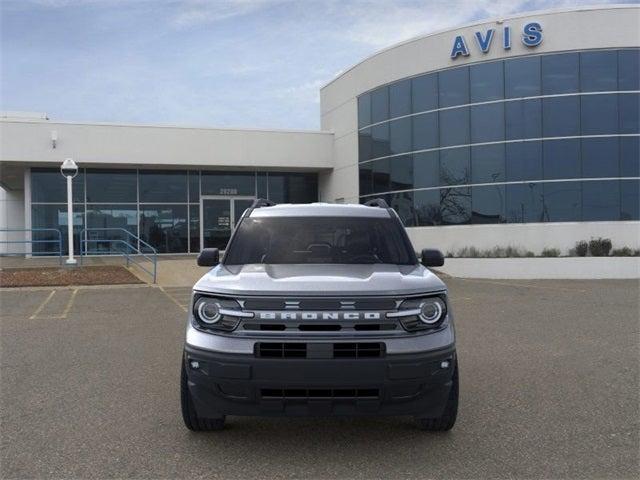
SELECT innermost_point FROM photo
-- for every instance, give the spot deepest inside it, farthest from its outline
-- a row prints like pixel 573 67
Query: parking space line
pixel 39 309
pixel 174 300
pixel 69 304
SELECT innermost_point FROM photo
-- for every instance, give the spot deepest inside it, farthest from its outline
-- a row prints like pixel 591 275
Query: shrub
pixel 600 247
pixel 625 252
pixel 581 248
pixel 550 252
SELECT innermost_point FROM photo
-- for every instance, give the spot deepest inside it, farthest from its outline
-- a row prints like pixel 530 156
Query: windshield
pixel 346 240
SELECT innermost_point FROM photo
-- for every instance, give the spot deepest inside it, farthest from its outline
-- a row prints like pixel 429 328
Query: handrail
pixel 137 251
pixel 32 241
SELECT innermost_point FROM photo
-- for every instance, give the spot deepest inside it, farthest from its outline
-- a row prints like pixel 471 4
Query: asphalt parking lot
pixel 549 389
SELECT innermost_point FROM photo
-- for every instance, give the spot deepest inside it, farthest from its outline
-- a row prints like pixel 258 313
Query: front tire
pixel 191 419
pixel 448 418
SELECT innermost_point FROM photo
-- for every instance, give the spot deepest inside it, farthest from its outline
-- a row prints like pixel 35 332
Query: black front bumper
pixel 231 384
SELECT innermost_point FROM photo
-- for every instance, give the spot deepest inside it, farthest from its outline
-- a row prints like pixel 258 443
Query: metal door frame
pixel 232 210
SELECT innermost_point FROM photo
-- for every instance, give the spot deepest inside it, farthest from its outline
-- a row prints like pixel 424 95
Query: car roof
pixel 320 210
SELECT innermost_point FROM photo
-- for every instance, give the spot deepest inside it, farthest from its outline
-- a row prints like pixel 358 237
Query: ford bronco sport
pixel 319 309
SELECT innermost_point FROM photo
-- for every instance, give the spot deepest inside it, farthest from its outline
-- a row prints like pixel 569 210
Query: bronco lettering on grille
pixel 319 315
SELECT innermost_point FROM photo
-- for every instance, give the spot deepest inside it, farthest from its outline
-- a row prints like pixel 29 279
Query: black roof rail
pixel 376 202
pixel 262 202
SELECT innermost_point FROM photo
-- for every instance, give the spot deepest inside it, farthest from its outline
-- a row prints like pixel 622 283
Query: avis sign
pixel 531 37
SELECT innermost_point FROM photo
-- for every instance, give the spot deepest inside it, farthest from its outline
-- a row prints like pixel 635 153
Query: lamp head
pixel 69 168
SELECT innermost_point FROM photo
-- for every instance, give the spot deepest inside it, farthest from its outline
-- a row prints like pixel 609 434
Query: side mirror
pixel 209 257
pixel 432 258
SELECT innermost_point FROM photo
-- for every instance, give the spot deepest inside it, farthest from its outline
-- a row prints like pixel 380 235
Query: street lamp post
pixel 69 169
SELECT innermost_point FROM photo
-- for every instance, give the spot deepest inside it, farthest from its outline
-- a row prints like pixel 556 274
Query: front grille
pixel 335 350
pixel 311 393
pixel 311 326
pixel 319 304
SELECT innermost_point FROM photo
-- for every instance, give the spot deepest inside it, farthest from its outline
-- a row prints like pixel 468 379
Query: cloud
pixel 199 12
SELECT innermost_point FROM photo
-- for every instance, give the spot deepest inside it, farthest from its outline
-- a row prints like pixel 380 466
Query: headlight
pixel 213 313
pixel 432 310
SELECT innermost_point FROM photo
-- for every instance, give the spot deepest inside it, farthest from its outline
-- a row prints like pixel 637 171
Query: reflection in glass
pixel 487 123
pixel 380 104
pixel 163 186
pixel 426 169
pixel 365 145
pixel 49 186
pixel 454 127
pixel 380 140
pixel 487 81
pixel 402 172
pixel 194 228
pixel 487 164
pixel 561 116
pixel 599 71
pixel 400 135
pixel 54 216
pixel 455 166
pixel 522 77
pixel 427 207
pixel 523 161
pixel 524 203
pixel 600 201
pixel 560 73
pixel 455 205
pixel 561 202
pixel 488 204
pixel 453 87
pixel 425 131
pixel 112 186
pixel 114 218
pixel 366 178
pixel 165 227
pixel 364 110
pixel 599 114
pixel 561 159
pixel 228 183
pixel 381 175
pixel 194 186
pixel 600 157
pixel 630 156
pixel 293 187
pixel 400 98
pixel 262 185
pixel 523 119
pixel 402 203
pixel 630 200
pixel 629 69
pixel 424 92
pixel 629 113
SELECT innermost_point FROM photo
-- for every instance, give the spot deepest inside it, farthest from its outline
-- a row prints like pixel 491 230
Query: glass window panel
pixel 629 113
pixel 425 131
pixel 453 87
pixel 630 156
pixel 194 186
pixel 293 187
pixel 427 207
pixel 522 77
pixel 112 186
pixel 380 105
pixel 366 178
pixel 629 69
pixel 562 202
pixel 524 202
pixel 228 183
pixel 49 186
pixel 600 157
pixel 115 218
pixel 600 201
pixel 454 166
pixel 402 172
pixel 400 135
pixel 163 186
pixel 53 216
pixel 380 141
pixel 488 204
pixel 381 175
pixel 165 227
pixel 599 71
pixel 262 185
pixel 561 159
pixel 424 92
pixel 487 164
pixel 487 123
pixel 561 116
pixel 454 127
pixel 599 114
pixel 364 110
pixel 455 205
pixel 630 200
pixel 365 145
pixel 194 228
pixel 487 81
pixel 400 98
pixel 426 169
pixel 523 161
pixel 523 119
pixel 402 203
pixel 560 73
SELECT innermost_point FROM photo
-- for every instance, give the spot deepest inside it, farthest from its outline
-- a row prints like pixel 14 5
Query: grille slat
pixel 320 393
pixel 319 304
pixel 299 350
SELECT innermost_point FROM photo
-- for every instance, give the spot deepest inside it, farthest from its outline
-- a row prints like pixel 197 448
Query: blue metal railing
pixel 131 248
pixel 31 241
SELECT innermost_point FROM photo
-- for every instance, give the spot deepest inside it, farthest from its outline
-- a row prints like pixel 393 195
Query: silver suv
pixel 319 309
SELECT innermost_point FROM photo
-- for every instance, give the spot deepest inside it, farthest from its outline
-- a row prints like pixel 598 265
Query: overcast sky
pixel 226 63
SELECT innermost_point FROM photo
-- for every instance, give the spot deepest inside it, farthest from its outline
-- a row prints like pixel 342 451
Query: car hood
pixel 321 280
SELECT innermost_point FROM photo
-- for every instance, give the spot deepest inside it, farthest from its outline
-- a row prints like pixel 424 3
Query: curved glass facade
pixel 541 138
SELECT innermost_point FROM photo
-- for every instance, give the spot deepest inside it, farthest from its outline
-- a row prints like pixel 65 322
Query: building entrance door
pixel 218 218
